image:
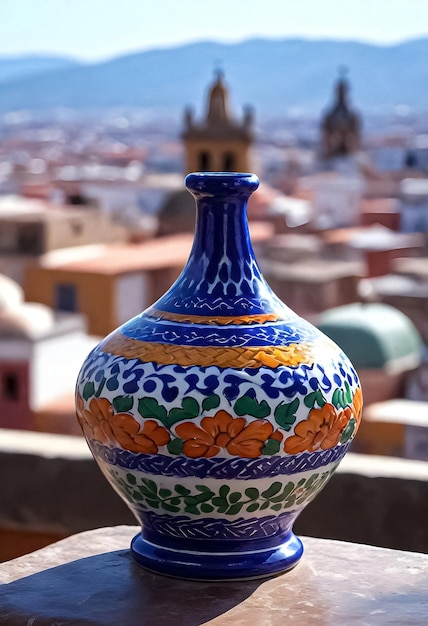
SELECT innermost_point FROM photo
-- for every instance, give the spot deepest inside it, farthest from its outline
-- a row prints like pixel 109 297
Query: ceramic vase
pixel 218 413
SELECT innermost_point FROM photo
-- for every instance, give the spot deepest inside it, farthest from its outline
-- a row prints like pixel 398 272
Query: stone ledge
pixel 91 579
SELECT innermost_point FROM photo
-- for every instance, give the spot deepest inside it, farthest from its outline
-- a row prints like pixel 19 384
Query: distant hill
pixel 272 75
pixel 18 67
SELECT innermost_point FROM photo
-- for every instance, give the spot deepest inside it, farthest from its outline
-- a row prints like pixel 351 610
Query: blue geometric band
pixel 242 469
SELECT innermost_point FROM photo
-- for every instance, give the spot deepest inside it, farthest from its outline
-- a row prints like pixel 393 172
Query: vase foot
pixel 209 566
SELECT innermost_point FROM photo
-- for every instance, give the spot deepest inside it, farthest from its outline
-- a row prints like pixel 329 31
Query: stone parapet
pixel 90 578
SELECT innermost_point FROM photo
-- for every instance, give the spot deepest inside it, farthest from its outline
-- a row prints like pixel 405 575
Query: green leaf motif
pixel 234 509
pixel 288 489
pixel 313 398
pixel 153 503
pixel 348 393
pixel 183 491
pixel 123 404
pixel 202 488
pixel 272 490
pixel 175 446
pixel 271 447
pixel 169 507
pixel 342 397
pixel 285 414
pixel 336 399
pixel 131 479
pixel 88 390
pixel 189 410
pixel 210 402
pixel 234 497
pixel 252 493
pixel 178 499
pixel 150 407
pixel 206 508
pixel 252 507
pixel 245 405
pixel 349 431
pixel 151 485
pixel 224 491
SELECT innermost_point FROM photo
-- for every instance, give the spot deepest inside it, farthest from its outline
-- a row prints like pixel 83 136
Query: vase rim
pixel 220 183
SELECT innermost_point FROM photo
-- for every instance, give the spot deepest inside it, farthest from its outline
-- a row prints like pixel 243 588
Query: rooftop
pixel 123 258
pixel 18 208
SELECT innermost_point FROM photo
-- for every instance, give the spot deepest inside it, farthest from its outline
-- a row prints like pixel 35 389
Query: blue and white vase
pixel 218 413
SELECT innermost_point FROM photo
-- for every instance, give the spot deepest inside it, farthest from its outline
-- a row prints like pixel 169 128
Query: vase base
pixel 224 566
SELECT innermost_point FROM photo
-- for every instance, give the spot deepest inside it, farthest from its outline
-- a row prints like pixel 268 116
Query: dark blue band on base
pixel 193 565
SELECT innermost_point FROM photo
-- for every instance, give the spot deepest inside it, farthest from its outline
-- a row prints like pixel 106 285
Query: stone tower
pixel 218 143
pixel 341 126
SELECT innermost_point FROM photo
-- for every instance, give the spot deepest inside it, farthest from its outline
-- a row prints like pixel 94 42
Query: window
pixel 10 387
pixel 29 240
pixel 229 162
pixel 204 162
pixel 66 298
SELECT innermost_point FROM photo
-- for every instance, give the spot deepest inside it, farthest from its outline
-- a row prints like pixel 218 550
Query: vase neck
pixel 222 275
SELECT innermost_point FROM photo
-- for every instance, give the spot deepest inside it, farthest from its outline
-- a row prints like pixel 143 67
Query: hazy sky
pixel 96 29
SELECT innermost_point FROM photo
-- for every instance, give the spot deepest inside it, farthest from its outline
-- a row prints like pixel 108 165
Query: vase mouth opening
pixel 221 183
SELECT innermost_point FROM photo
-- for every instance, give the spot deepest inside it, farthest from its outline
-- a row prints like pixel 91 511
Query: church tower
pixel 341 126
pixel 218 143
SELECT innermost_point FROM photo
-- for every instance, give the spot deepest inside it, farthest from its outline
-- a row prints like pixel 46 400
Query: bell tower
pixel 341 126
pixel 219 142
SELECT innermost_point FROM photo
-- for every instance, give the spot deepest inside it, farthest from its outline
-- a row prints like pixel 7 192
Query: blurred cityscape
pixel 95 224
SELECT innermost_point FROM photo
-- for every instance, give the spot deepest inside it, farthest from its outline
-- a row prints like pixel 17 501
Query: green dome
pixel 373 336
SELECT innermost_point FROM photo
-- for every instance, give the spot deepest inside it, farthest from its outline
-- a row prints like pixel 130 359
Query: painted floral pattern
pixel 234 423
pixel 357 405
pixel 96 421
pixel 322 430
pixel 222 431
pixel 202 499
pixel 99 423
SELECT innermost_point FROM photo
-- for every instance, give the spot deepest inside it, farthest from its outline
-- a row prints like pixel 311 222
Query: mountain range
pixel 274 76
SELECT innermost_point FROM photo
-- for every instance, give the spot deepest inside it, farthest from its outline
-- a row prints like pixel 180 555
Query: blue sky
pixel 97 29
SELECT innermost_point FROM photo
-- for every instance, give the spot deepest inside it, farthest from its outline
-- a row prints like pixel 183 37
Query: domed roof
pixel 27 321
pixel 177 214
pixel 11 294
pixel 18 318
pixel 374 336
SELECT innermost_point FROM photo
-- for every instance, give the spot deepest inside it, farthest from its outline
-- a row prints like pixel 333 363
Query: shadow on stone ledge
pixel 111 589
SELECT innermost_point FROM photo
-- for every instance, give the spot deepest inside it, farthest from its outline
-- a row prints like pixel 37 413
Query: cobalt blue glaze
pixel 218 413
pixel 212 566
pixel 209 283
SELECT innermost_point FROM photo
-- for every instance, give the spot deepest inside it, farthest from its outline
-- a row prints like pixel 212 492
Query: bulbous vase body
pixel 218 413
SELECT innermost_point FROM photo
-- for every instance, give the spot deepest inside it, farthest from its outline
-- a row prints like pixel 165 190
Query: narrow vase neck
pixel 222 275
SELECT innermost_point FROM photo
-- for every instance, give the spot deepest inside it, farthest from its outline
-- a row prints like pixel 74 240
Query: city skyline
pixel 93 31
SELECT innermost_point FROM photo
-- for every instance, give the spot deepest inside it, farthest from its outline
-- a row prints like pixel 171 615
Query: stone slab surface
pixel 91 578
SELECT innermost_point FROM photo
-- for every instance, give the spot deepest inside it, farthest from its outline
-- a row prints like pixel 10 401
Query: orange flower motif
pixel 96 420
pixel 357 405
pixel 99 423
pixel 127 432
pixel 276 435
pixel 80 406
pixel 321 430
pixel 224 431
